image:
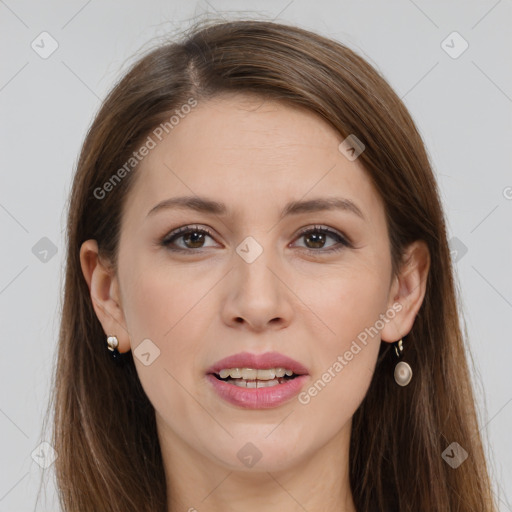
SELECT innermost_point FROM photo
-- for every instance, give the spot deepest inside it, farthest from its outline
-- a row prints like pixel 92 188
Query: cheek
pixel 347 300
pixel 171 305
pixel 168 305
pixel 350 306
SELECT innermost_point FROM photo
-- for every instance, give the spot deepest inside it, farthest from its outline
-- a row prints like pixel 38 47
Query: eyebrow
pixel 206 205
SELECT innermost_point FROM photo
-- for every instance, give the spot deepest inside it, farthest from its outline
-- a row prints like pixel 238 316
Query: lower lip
pixel 258 398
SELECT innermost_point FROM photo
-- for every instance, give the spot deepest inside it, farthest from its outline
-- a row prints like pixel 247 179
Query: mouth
pixel 255 378
pixel 257 381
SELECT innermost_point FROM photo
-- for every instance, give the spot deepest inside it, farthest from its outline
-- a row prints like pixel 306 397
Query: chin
pixel 257 454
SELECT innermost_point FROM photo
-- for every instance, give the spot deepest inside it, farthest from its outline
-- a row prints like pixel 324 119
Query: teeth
pixel 255 374
pixel 255 384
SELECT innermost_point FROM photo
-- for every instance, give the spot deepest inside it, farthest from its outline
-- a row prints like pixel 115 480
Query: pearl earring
pixel 112 344
pixel 403 372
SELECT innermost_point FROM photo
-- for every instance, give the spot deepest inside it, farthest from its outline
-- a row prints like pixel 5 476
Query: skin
pixel 199 307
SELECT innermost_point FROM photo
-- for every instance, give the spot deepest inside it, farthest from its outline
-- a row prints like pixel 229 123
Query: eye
pixel 192 236
pixel 316 237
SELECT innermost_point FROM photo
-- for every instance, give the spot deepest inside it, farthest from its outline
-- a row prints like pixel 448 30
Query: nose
pixel 257 296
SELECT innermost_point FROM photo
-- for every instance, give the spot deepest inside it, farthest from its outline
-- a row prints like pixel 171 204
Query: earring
pixel 403 372
pixel 112 344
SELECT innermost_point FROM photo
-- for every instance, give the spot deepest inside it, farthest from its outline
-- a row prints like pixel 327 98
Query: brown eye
pixel 191 237
pixel 316 237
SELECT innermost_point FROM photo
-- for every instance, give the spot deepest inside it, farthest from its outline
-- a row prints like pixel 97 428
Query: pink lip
pixel 258 398
pixel 259 361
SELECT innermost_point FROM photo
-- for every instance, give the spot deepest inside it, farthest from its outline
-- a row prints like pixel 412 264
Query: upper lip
pixel 258 361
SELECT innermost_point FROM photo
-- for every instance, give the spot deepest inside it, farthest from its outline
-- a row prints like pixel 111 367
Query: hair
pixel 104 428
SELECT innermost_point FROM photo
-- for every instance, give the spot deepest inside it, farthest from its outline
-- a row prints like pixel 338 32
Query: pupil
pixel 319 239
pixel 195 236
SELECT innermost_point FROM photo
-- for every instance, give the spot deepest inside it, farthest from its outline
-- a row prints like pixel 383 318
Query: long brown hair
pixel 104 432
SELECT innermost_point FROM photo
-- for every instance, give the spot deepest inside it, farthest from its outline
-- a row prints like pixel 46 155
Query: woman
pixel 259 306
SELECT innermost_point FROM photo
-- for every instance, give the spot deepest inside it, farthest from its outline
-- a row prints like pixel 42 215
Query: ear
pixel 105 296
pixel 407 290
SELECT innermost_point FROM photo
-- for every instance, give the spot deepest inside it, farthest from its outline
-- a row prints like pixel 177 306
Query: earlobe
pixel 408 290
pixel 103 289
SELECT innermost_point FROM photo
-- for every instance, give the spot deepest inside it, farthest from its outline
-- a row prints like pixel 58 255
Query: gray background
pixel 462 107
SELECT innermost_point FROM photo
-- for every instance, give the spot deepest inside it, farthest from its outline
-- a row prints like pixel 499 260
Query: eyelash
pixel 180 232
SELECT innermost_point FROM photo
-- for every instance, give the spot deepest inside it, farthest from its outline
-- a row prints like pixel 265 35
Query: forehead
pixel 250 153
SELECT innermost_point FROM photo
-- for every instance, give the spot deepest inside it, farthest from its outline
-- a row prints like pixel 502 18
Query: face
pixel 306 285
